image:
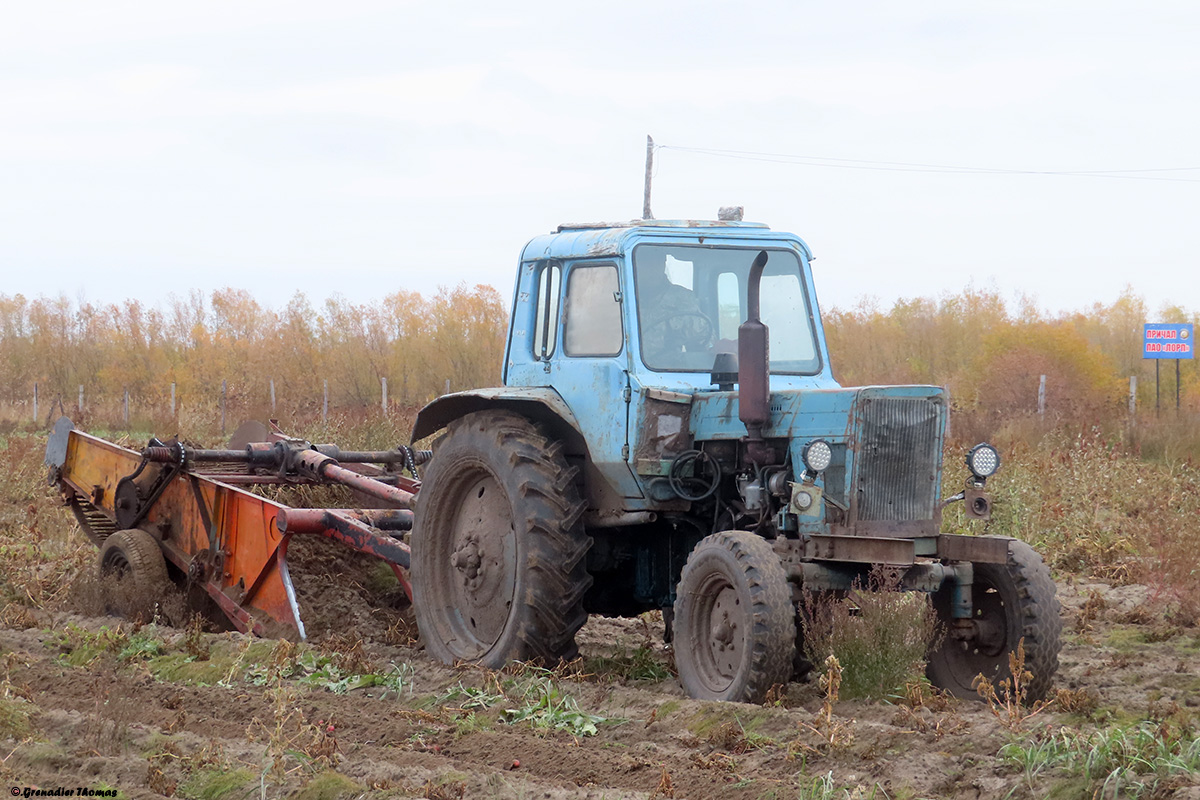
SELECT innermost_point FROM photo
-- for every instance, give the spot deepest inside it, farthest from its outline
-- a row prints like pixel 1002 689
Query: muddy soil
pixel 94 702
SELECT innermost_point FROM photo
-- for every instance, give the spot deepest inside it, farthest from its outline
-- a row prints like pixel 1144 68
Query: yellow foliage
pixel 991 357
pixel 196 342
pixel 989 353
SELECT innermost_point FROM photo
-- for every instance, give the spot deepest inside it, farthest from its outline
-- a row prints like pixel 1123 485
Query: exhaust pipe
pixel 754 404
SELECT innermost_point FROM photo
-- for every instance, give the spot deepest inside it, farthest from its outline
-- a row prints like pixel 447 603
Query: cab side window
pixel 545 323
pixel 593 312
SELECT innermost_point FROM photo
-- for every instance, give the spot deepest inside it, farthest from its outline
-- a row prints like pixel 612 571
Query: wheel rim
pixel 985 651
pixel 116 573
pixel 481 565
pixel 719 625
pixel 115 565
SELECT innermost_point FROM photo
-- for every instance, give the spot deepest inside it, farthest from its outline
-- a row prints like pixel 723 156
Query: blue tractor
pixel 670 436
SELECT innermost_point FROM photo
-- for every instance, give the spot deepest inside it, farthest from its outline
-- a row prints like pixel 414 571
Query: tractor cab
pixel 629 323
pixel 664 299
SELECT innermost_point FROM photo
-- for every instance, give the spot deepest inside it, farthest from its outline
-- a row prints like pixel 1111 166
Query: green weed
pixel 14 717
pixel 143 644
pixel 1136 761
pixel 312 669
pixel 545 707
pixel 470 697
pixel 329 785
pixel 878 635
pixel 470 722
pixel 823 787
pixel 1034 757
pixel 642 665
pixel 218 784
pixel 79 647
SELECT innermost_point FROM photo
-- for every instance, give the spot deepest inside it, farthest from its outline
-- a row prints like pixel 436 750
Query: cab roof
pixel 587 240
pixel 659 223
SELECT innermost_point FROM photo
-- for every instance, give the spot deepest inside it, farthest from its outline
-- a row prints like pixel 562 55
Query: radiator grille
pixel 898 458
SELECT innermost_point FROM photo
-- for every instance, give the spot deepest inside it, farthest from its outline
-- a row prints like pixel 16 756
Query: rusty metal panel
pixel 980 549
pixel 198 520
pixel 231 543
pixel 664 430
pixel 862 549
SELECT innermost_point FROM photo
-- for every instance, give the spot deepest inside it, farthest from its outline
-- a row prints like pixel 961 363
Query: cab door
pixel 590 370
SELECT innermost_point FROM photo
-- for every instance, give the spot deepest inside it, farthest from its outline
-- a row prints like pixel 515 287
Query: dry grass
pixel 41 549
pixel 1092 507
pixel 1008 700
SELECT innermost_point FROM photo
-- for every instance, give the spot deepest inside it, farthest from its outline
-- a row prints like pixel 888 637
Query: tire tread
pixel 546 505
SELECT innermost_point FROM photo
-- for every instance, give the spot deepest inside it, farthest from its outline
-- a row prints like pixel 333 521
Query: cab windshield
pixel 691 300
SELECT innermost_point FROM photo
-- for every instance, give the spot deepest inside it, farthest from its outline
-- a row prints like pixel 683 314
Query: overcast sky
pixel 364 147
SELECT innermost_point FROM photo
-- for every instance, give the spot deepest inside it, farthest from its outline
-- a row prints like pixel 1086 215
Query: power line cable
pixel 902 166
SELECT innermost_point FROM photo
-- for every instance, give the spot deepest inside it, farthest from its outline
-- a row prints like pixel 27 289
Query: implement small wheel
pixel 498 545
pixel 132 574
pixel 1013 601
pixel 735 624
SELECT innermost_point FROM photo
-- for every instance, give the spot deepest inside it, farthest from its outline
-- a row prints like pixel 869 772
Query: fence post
pixel 1042 397
pixel 1133 395
pixel 325 404
pixel 126 403
pixel 35 393
pixel 172 399
pixel 81 398
pixel 272 395
pixel 384 401
pixel 223 387
pixel 447 386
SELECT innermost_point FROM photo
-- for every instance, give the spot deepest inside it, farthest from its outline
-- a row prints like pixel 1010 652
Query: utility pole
pixel 649 172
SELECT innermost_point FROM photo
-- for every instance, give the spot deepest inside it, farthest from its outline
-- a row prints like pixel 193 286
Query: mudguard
pixel 540 404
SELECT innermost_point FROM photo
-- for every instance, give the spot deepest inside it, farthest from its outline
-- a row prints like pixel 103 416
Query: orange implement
pixel 229 542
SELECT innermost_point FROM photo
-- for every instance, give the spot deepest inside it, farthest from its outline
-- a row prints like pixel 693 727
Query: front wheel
pixel 735 625
pixel 1013 601
pixel 498 545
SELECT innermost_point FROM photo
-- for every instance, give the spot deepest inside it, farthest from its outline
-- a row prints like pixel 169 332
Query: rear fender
pixel 541 405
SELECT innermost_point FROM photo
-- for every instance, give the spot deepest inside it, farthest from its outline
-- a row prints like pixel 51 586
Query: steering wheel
pixel 665 325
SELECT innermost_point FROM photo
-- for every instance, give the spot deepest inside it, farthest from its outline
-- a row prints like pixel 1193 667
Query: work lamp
pixel 983 461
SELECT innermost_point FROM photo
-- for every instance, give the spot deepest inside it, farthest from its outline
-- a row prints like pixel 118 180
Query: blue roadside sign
pixel 1168 341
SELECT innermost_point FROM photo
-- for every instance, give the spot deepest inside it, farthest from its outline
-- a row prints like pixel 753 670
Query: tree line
pixel 992 354
pixel 989 352
pixel 196 342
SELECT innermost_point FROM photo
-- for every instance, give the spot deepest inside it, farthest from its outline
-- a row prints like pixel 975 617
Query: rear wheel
pixel 1013 601
pixel 133 574
pixel 498 545
pixel 735 625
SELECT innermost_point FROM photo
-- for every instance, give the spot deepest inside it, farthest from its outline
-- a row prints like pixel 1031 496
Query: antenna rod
pixel 649 169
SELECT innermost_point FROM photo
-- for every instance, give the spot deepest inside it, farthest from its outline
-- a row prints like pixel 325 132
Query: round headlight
pixel 816 455
pixel 983 461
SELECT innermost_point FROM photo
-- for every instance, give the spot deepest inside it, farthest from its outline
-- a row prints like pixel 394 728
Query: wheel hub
pixel 984 633
pixel 483 561
pixel 724 629
pixel 468 558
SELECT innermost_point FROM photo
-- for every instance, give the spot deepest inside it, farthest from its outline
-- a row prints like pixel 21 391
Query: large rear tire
pixel 735 624
pixel 1013 601
pixel 498 545
pixel 132 574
